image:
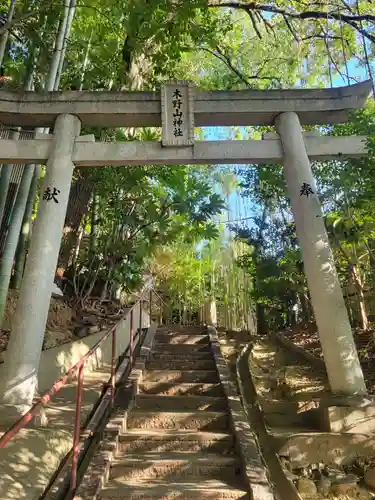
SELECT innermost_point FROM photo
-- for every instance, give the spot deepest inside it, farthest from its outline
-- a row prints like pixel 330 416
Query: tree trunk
pixel 5 35
pixel 26 230
pixel 77 246
pixel 94 224
pixel 291 314
pixel 353 317
pixel 104 293
pixel 371 251
pixel 37 169
pixel 304 307
pixel 79 197
pixel 86 61
pixel 12 237
pixel 68 25
pixel 5 176
pixel 262 327
pixel 361 298
pixel 184 315
pixel 52 79
pixel 16 202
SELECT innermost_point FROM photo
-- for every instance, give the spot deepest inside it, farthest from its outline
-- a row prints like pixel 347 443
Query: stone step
pixel 190 356
pixel 182 330
pixel 205 489
pixel 279 436
pixel 168 403
pixel 186 364
pixel 180 348
pixel 181 389
pixel 307 419
pixel 198 420
pixel 177 338
pixel 175 466
pixel 278 406
pixel 162 441
pixel 181 376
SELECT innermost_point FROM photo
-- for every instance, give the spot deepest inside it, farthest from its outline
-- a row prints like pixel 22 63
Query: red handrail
pixel 113 366
pixel 77 428
pixel 131 338
pixel 79 366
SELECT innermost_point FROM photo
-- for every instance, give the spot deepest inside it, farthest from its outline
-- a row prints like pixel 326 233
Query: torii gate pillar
pixel 19 378
pixel 340 354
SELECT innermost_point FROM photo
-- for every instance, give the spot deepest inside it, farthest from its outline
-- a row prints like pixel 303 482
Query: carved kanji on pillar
pixel 177 114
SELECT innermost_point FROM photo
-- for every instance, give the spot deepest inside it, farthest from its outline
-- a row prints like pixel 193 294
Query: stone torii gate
pixel 177 110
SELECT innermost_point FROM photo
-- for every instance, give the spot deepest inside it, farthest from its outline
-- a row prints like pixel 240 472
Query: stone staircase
pixel 177 442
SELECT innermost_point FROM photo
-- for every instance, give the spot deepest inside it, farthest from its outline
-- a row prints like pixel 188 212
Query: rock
pixel 358 467
pixel 360 462
pixel 2 356
pixel 323 485
pixel 286 464
pixel 333 474
pixel 306 487
pixel 93 329
pixel 292 477
pixel 370 478
pixel 344 484
pixel 56 290
pixel 54 338
pixel 90 320
pixel 80 331
pixel 302 472
pixel 314 472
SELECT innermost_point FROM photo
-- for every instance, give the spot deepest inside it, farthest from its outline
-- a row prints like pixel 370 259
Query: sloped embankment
pixel 288 392
pixel 64 323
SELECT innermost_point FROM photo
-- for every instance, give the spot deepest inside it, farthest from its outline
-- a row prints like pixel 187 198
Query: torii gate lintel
pixel 210 108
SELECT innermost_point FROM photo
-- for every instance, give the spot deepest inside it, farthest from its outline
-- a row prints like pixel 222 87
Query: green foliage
pixel 345 188
pixel 143 208
pixel 136 44
pixel 254 45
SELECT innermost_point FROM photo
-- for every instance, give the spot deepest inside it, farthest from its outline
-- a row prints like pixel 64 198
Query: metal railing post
pixel 131 337
pixel 140 318
pixel 150 306
pixel 77 428
pixel 113 368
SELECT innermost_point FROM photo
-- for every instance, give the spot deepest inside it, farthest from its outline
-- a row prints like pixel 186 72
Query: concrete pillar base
pixel 348 414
